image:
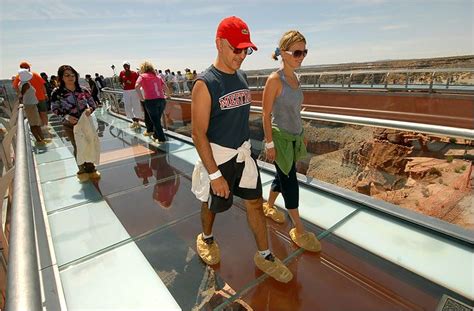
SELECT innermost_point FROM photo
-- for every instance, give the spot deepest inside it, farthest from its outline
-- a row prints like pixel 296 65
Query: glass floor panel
pixel 342 277
pixel 161 204
pixel 147 193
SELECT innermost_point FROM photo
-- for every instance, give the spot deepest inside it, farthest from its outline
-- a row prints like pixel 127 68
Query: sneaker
pixel 273 213
pixel 94 175
pixel 146 133
pixel 273 267
pixel 40 143
pixel 208 250
pixel 83 177
pixel 132 125
pixel 307 240
pixel 159 142
pixel 48 140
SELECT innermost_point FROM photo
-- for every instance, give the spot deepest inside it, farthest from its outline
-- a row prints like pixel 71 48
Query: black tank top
pixel 230 108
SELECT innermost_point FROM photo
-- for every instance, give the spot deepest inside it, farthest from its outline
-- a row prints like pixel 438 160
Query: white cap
pixel 126 63
pixel 25 75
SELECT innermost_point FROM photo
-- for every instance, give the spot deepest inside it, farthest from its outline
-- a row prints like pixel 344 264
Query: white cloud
pixel 394 27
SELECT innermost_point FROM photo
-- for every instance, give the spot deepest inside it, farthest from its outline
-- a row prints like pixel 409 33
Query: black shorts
pixel 42 106
pixel 288 186
pixel 232 173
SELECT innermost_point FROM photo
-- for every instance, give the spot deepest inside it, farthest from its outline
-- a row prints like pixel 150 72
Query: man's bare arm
pixel 201 113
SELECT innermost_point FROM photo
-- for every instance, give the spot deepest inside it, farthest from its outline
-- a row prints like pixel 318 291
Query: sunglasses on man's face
pixel 237 51
pixel 298 53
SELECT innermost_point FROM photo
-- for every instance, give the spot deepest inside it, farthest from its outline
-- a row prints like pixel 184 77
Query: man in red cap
pixel 39 84
pixel 220 119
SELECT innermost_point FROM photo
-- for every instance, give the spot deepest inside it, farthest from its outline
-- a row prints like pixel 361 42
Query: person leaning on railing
pixel 284 136
pixel 70 101
pixel 27 97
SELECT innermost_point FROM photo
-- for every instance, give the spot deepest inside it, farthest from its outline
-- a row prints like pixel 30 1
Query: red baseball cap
pixel 236 31
pixel 25 65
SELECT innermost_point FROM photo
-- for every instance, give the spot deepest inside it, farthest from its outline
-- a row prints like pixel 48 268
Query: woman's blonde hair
pixel 287 40
pixel 147 67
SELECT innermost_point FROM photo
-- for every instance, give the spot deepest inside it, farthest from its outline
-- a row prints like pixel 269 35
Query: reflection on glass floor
pixel 128 241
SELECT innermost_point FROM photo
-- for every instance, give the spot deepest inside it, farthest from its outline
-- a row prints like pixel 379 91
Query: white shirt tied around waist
pixel 201 183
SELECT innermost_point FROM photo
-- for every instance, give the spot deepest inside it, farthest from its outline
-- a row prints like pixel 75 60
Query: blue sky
pixel 92 35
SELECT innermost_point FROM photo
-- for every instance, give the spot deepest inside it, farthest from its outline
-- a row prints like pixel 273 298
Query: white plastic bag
pixel 87 141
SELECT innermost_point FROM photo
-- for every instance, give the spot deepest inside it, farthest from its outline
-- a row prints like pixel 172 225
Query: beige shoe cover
pixel 273 213
pixel 276 269
pixel 307 240
pixel 209 253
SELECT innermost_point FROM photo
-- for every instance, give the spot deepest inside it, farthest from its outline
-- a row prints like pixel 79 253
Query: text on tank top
pixel 230 107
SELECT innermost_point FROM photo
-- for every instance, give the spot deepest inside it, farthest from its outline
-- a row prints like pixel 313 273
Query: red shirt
pixel 128 80
pixel 37 82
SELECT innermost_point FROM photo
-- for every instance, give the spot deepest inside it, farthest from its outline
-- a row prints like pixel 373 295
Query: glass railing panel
pixel 427 174
pixel 309 80
pixel 462 80
pixel 379 80
pixel 361 80
pixel 177 117
pixel 428 255
pixel 330 80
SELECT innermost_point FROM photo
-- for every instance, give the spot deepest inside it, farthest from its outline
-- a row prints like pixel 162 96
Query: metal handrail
pixel 429 86
pixel 23 284
pixel 392 124
pixel 354 72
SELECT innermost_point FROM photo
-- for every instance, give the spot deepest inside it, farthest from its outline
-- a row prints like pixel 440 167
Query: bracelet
pixel 215 175
pixel 269 145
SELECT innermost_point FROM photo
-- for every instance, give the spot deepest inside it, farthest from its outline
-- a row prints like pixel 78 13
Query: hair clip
pixel 277 51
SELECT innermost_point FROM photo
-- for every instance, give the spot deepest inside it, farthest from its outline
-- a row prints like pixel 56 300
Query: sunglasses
pixel 297 53
pixel 237 51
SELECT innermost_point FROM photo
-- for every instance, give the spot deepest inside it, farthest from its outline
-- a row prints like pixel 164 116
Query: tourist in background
pixel 53 80
pixel 189 79
pixel 169 80
pixel 181 82
pixel 284 136
pixel 48 87
pixel 94 89
pixel 70 101
pixel 28 98
pixel 153 97
pixel 133 110
pixel 40 91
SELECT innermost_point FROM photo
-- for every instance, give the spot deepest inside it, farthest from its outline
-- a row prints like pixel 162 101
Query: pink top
pixel 153 85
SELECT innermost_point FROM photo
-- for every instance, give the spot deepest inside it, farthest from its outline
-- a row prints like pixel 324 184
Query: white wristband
pixel 215 175
pixel 269 145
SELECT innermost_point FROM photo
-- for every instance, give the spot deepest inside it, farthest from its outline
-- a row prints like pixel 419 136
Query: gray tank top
pixel 286 112
pixel 29 98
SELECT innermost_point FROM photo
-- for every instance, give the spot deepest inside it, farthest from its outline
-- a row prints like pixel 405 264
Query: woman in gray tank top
pixel 282 100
